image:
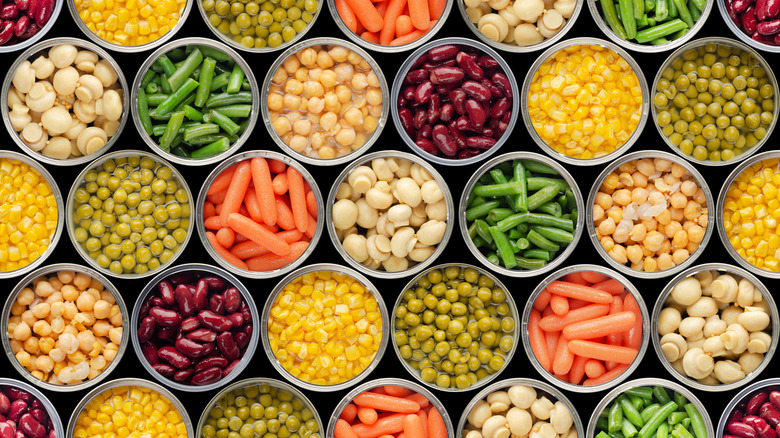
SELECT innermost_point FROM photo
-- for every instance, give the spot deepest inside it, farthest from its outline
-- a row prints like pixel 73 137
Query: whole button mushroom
pixel 63 55
pixel 56 120
pixel 88 88
pixel 41 97
pixel 528 10
pixel 493 27
pixel 550 23
pixel 65 81
pixel 43 67
pixel 527 34
pixel 57 147
pixel 91 140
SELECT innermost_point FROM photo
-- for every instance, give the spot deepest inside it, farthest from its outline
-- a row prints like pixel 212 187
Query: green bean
pixel 521 203
pixel 649 5
pixel 199 131
pixel 539 254
pixel 659 417
pixel 515 248
pixel 220 81
pixel 192 114
pixel 680 399
pixel 156 99
pixel 642 21
pixel 649 411
pixel 499 214
pixel 181 75
pixel 212 52
pixel 542 242
pixel 636 401
pixel 672 9
pixel 610 16
pixel 602 434
pixel 151 88
pixel 700 4
pixel 165 85
pixel 538 183
pixel 661 10
pixel 167 66
pixel 552 208
pixel 695 11
pixel 482 210
pixel 495 190
pixel 660 30
pixel 663 431
pixel 639 9
pixel 513 234
pixel 483 230
pixel 686 423
pixel 215 148
pixel 158 130
pixel 498 177
pixel 474 200
pixel 147 78
pixel 143 112
pixel 523 243
pixel 177 97
pixel 529 264
pixel 628 429
pixel 676 417
pixel 234 110
pixel 206 139
pixel 630 411
pixel 479 242
pixel 223 99
pixel 697 421
pixel 205 78
pixel 660 41
pixel 627 17
pixel 224 122
pixel 538 167
pixel 177 54
pixel 554 234
pixel 180 151
pixel 541 197
pixel 503 247
pixel 172 130
pixel 685 14
pixel 493 258
pixel 602 423
pixel 661 395
pixel 236 78
pixel 680 432
pixel 646 393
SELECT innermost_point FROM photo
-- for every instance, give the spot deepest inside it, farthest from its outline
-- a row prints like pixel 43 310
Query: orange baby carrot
pixel 349 413
pixel 276 166
pixel 615 338
pixel 311 203
pixel 208 210
pixel 436 8
pixel 413 427
pixel 213 223
pixel 574 303
pixel 538 342
pixel 226 237
pixel 397 390
pixel 384 426
pixel 593 277
pixel 403 25
pixel 379 390
pixel 436 427
pixel 575 277
pixel 270 261
pixel 595 350
pixel 222 181
pixel 235 192
pixel 258 234
pixel 594 368
pixel 572 290
pixel 542 300
pixel 550 337
pixel 601 326
pixel 633 338
pixel 297 198
pixel 577 370
pixel 394 10
pixel 280 184
pixel 371 37
pixel 418 12
pixel 249 249
pixel 346 14
pixel 408 38
pixel 611 286
pixel 606 377
pixel 312 226
pixel 559 304
pixel 230 258
pixel 420 399
pixel 381 7
pixel 218 197
pixel 424 420
pixel 367 415
pixel 564 357
pixel 252 207
pixel 367 14
pixel 385 402
pixel 264 190
pixel 555 322
pixel 343 430
pixel 284 215
pixel 563 377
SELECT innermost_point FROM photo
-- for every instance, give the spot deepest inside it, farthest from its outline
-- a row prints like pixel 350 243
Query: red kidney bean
pixel 181 277
pixel 190 324
pixel 430 65
pixel 761 9
pixel 227 346
pixel 232 300
pixel 185 300
pixel 487 62
pixel 768 27
pixel 423 92
pixel 469 65
pixel 217 304
pixel 6 430
pixel 749 21
pixel 216 284
pixel 443 52
pixel 462 124
pixel 19 394
pixel 476 113
pixel 209 362
pixel 173 356
pixel 460 139
pixel 769 413
pixel 499 108
pixel 467 153
pixel 231 367
pixel 447 75
pixel 214 321
pixel 18 408
pixel 494 90
pixel 22 4
pixel 416 76
pixel 241 339
pixel 183 375
pixel 146 329
pixel 165 317
pixel 477 91
pixel 32 8
pixel 740 6
pixel 434 108
pixel 6 31
pixel 502 82
pixel 760 425
pixel 31 428
pixel 407 120
pixel 419 61
pixel 201 295
pixel 444 141
pixel 246 312
pixel 5 404
pixel 765 39
pixel 427 146
pixel 166 292
pixel 9 11
pixel 201 335
pixel 420 118
pixel 156 302
pixel 36 404
pixel 408 92
pixel 149 351
pixel 166 333
pixel 774 397
pixel 734 15
pixel 458 98
pixel 40 415
pixel 446 113
pixel 236 319
pixel 22 26
pixel 424 132
pixel 480 142
pixel 741 430
pixel 164 369
pixel 191 348
pixel 772 8
pixel 755 402
pixel 207 376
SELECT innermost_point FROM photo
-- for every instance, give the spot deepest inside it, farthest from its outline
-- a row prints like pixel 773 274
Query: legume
pixel 585 101
pixel 130 22
pixel 22 24
pixel 260 410
pixel 130 411
pixel 757 20
pixel 715 102
pixel 65 328
pixel 130 214
pixel 455 327
pixel 650 214
pixel 750 213
pixel 28 215
pixel 325 101
pixel 25 415
pixel 756 413
pixel 325 327
pixel 654 22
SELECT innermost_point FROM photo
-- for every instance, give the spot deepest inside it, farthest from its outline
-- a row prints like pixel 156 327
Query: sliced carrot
pixel 436 427
pixel 559 304
pixel 573 290
pixel 542 300
pixel 436 8
pixel 398 390
pixel 280 184
pixel 596 350
pixel 577 371
pixel 420 399
pixel 413 427
pixel 371 37
pixel 343 430
pixel 271 262
pixel 418 12
pixel 252 207
pixel 213 223
pixel 367 14
pixel 226 237
pixel 230 258
pixel 601 326
pixel 311 204
pixel 403 25
pixel 258 234
pixel 593 277
pixel 235 192
pixel 537 340
pixel 346 14
pixel 388 425
pixel 367 415
pixel 284 214
pixel 249 249
pixel 208 210
pixel 297 195
pixel 633 338
pixel 594 368
pixel 606 377
pixel 264 190
pixel 564 357
pixel 222 181
pixel 349 413
pixel 394 10
pixel 386 402
pixel 611 286
pixel 556 322
pixel 575 277
pixel 217 198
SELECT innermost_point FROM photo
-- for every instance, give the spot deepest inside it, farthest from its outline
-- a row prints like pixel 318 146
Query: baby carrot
pixel 213 223
pixel 424 420
pixel 367 14
pixel 270 261
pixel 418 12
pixel 280 183
pixel 564 356
pixel 577 369
pixel 347 15
pixel 538 342
pixel 385 402
pixel 371 37
pixel 252 206
pixel 542 300
pixel 593 277
pixel 394 10
pixel 594 368
pixel 297 198
pixel 413 427
pixel 208 210
pixel 575 277
pixel 574 303
pixel 633 338
pixel 601 326
pixel 312 226
pixel 563 377
pixel 410 37
pixel 559 304
pixel 235 192
pixel 222 181
pixel 606 377
pixel 226 237
pixel 379 390
pixel 249 249
pixel 436 8
pixel 230 258
pixel 615 338
pixel 218 197
pixel 367 415
pixel 611 286
pixel 284 214
pixel 343 430
pixel 386 425
pixel 420 399
pixel 349 413
pixel 276 166
pixel 555 322
pixel 403 25
pixel 311 204
pixel 264 191
pixel 572 290
pixel 397 390
pixel 595 350
pixel 436 427
pixel 258 234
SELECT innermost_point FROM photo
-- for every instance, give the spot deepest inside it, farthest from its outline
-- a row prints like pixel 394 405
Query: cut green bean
pixel 228 99
pixel 143 112
pixel 224 122
pixel 521 202
pixel 541 241
pixel 537 183
pixel 499 214
pixel 494 190
pixel 504 248
pixel 199 131
pixel 612 19
pixel 177 97
pixel 215 148
pixel 205 78
pixel 697 421
pixel 180 76
pixel 627 17
pixel 234 110
pixel 482 210
pixel 628 430
pixel 659 417
pixel 538 167
pixel 236 78
pixel 552 208
pixel 685 14
pixel 554 234
pixel 661 30
pixel 539 254
pixel 167 66
pixel 215 53
pixel 483 230
pixel 192 114
pixel 541 197
pixel 172 130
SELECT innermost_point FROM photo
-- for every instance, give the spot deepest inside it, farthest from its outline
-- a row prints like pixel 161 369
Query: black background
pixel 389 289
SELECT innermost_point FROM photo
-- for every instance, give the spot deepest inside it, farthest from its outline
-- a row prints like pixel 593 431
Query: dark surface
pixel 456 250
